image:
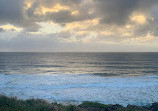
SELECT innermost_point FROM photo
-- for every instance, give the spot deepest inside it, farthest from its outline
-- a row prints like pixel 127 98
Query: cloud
pixel 1 29
pixel 115 11
pixel 65 16
pixel 12 12
pixel 30 42
pixel 84 21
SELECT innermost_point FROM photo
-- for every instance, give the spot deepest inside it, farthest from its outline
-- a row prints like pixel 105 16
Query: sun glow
pixel 10 27
pixel 28 3
pixel 83 24
pixel 140 19
pixel 56 8
pixel 74 13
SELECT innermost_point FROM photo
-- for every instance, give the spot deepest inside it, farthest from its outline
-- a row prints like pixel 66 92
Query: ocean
pixel 110 78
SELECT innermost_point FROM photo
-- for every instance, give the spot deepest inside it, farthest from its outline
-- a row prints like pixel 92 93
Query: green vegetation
pixel 155 106
pixel 93 104
pixel 13 104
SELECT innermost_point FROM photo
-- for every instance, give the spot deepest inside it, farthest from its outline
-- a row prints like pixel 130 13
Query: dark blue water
pixel 104 64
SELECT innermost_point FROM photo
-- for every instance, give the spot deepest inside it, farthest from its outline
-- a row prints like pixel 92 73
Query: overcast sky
pixel 79 25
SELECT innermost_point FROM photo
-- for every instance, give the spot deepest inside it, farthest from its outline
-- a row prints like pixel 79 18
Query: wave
pixel 139 90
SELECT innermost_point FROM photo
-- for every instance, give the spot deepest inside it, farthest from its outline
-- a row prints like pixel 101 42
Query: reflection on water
pixel 104 64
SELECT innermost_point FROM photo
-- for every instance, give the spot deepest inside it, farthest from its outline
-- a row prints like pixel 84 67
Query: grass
pixel 93 104
pixel 14 104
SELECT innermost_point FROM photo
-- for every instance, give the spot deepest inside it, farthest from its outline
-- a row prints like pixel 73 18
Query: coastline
pixel 12 104
pixel 76 88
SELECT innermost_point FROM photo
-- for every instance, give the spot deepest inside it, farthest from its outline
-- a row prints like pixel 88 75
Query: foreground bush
pixel 13 104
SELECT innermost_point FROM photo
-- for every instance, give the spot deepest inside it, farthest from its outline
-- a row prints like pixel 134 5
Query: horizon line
pixel 77 52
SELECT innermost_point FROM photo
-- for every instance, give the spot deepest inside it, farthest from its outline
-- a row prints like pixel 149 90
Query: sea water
pixel 110 78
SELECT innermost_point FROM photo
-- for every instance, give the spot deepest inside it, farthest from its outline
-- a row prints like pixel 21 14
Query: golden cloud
pixel 10 27
pixel 56 8
pixel 140 19
pixel 74 13
pixel 82 25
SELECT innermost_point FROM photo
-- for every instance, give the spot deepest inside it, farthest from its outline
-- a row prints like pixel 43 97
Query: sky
pixel 79 25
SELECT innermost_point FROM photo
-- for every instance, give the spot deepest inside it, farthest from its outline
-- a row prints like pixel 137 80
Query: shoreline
pixel 78 88
pixel 12 104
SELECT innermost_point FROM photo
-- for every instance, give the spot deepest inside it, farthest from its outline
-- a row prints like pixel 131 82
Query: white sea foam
pixel 138 90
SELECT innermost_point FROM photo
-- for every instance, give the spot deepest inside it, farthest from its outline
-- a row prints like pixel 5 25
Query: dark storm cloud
pixel 65 16
pixel 12 12
pixel 51 3
pixel 62 16
pixel 110 11
pixel 116 12
pixel 119 11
